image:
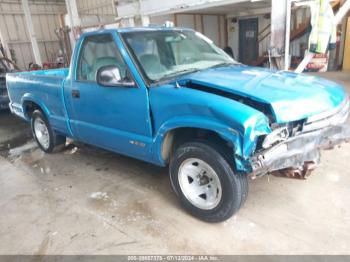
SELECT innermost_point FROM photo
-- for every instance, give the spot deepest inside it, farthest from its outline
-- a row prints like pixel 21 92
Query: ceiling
pixel 247 6
pixel 35 1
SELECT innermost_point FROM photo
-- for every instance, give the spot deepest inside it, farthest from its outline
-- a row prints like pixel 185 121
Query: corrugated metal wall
pixel 14 33
pixel 102 8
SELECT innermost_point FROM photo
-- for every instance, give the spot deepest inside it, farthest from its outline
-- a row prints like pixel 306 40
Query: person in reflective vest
pixel 323 35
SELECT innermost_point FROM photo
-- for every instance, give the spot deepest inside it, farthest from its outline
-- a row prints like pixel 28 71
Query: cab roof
pixel 137 29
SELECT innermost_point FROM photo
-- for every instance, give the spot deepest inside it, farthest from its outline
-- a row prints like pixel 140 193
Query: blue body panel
pixel 182 107
pixel 135 120
pixel 43 88
pixel 292 96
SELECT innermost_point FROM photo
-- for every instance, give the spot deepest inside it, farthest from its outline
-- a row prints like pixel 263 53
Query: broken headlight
pixel 277 135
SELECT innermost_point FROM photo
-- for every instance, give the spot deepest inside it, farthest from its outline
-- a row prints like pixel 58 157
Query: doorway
pixel 248 40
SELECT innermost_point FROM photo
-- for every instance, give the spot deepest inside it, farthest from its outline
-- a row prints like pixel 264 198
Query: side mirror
pixel 111 76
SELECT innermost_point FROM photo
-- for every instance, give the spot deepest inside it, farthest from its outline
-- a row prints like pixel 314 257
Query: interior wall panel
pixel 185 20
pixel 101 8
pixel 45 15
pixel 213 26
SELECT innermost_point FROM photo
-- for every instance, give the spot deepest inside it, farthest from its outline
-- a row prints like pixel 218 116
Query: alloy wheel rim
pixel 200 184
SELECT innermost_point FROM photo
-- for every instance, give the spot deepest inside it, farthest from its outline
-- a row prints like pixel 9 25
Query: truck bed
pixel 43 87
pixel 60 73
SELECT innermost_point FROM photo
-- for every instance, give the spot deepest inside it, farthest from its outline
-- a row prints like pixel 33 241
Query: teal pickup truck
pixel 170 97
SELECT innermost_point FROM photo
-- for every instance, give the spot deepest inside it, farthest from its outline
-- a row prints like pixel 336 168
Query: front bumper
pixel 299 150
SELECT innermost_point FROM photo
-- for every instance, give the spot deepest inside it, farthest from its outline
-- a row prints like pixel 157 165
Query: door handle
pixel 75 94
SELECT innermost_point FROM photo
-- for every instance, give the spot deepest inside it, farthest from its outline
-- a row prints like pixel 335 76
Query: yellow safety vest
pixel 323 35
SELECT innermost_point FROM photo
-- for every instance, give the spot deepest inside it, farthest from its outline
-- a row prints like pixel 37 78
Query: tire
pixel 209 205
pixel 41 129
pixel 242 177
pixel 245 187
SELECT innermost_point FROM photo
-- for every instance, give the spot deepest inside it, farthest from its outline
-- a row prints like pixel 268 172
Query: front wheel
pixel 46 138
pixel 205 182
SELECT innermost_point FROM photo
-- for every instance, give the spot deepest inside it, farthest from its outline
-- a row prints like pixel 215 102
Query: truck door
pixel 112 117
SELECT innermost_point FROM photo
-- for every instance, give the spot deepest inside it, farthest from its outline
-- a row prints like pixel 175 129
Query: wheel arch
pixel 173 134
pixel 30 103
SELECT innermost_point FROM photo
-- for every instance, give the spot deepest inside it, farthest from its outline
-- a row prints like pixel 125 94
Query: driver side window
pixel 98 51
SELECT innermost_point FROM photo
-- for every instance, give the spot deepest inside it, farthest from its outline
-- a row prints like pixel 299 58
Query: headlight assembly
pixel 278 135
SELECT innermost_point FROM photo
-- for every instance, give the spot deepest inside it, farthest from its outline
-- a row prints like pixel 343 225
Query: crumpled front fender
pixel 234 122
pixel 240 128
pixel 248 126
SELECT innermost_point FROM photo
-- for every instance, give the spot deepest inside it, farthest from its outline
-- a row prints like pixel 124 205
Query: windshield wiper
pixel 223 64
pixel 178 73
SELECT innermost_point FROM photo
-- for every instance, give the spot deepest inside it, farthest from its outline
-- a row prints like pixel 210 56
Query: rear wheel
pixel 205 182
pixel 46 138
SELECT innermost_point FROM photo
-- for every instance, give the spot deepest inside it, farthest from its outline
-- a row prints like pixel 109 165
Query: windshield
pixel 165 54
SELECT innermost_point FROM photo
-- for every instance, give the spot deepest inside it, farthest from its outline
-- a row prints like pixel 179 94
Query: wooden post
pixel 31 31
pixel 278 32
pixel 226 30
pixel 202 24
pixel 219 27
pixel 5 45
pixel 175 20
pixel 346 60
pixel 195 22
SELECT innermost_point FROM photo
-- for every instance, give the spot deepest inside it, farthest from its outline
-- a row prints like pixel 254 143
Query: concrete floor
pixel 88 201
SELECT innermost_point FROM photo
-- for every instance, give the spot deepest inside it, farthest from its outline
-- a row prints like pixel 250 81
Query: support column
pixel 72 10
pixel 145 20
pixel 139 18
pixel 131 22
pixel 346 61
pixel 278 32
pixel 30 27
pixel 5 46
pixel 286 47
pixel 74 20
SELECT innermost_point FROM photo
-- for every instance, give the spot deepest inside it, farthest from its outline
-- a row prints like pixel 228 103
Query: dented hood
pixel 291 96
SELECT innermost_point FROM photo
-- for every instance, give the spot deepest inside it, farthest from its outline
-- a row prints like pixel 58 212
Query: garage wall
pixel 297 46
pixel 298 18
pixel 105 10
pixel 233 34
pixel 15 35
pixel 213 26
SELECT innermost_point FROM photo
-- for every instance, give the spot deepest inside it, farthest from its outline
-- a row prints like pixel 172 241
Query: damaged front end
pixel 297 155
